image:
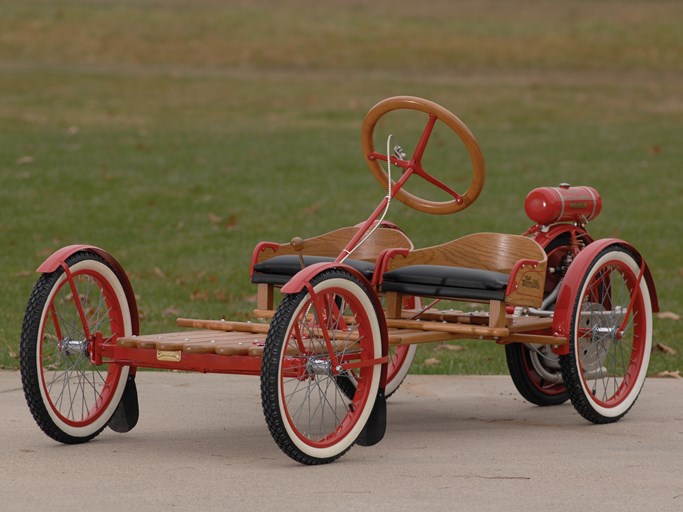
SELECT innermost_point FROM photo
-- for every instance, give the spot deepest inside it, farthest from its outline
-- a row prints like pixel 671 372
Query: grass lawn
pixel 178 134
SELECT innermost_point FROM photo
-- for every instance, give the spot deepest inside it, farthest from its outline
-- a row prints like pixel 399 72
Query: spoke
pixel 326 400
pixel 297 413
pixel 315 399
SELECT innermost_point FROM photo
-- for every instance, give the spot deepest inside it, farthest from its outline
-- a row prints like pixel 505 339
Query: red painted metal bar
pixel 416 162
pixel 204 363
pixel 634 296
pixel 58 330
pixel 422 143
pixel 363 364
pixel 77 300
pixel 318 310
pixel 374 215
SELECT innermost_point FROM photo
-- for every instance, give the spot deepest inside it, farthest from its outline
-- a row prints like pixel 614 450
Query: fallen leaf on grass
pixel 228 224
pixel 170 311
pixel 221 295
pixel 660 347
pixel 198 295
pixel 672 374
pixel 452 348
pixel 668 315
pixel 158 272
pixel 432 361
pixel 23 160
pixel 231 223
pixel 311 210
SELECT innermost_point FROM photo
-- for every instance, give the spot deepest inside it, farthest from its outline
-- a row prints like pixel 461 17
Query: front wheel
pixel 312 342
pixel 70 398
pixel 610 337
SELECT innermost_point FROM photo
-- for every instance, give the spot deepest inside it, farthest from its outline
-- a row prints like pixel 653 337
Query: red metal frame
pixel 544 237
pixel 203 363
pixel 260 247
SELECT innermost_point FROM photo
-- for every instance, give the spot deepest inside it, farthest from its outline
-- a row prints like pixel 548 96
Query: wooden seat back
pixel 521 258
pixel 487 251
pixel 331 244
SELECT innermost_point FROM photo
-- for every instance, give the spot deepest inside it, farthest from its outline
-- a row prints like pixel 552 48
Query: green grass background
pixel 178 134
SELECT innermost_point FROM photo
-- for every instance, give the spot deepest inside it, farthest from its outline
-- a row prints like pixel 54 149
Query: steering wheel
pixel 436 113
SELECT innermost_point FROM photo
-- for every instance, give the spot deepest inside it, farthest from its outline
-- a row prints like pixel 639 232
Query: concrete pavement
pixel 452 443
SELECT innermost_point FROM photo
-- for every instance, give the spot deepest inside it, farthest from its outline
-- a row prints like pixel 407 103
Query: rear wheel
pixel 400 360
pixel 536 373
pixel 314 419
pixel 70 398
pixel 535 369
pixel 610 337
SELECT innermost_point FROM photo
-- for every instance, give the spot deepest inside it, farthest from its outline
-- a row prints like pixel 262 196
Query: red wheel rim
pixel 396 361
pixel 547 388
pixel 612 286
pixel 59 328
pixel 300 366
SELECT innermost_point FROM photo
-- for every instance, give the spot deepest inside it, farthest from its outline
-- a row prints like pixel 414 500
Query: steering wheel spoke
pixel 403 164
pixel 439 184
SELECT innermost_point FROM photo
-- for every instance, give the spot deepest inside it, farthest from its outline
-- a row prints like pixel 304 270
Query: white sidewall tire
pixel 402 373
pixel 621 408
pixel 105 416
pixel 352 435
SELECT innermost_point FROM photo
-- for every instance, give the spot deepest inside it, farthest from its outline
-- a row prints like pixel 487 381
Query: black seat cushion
pixel 446 282
pixel 281 269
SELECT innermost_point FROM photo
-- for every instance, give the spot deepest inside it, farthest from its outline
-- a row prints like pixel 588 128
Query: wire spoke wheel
pixel 535 370
pixel 611 338
pixel 70 397
pixel 315 347
pixel 536 373
pixel 400 360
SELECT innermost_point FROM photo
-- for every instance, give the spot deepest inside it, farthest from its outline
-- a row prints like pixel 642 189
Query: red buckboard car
pixel 573 313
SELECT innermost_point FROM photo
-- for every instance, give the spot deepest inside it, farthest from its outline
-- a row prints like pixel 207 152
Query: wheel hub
pixel 71 347
pixel 318 366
